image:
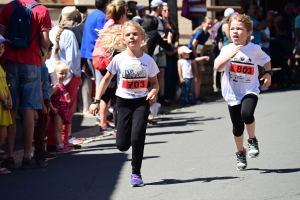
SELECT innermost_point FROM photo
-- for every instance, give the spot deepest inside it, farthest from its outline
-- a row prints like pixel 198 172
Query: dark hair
pixel 246 7
pixel 131 13
pixel 100 4
pixel 82 9
pixel 150 23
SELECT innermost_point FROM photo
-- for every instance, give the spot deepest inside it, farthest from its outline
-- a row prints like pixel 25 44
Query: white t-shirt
pixel 241 72
pixel 186 68
pixel 267 32
pixel 132 74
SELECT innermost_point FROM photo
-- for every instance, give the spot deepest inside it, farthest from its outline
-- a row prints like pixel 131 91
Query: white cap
pixel 228 12
pixel 2 39
pixel 184 49
pixel 155 3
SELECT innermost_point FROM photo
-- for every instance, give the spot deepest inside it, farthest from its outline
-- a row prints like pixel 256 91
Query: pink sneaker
pixel 63 150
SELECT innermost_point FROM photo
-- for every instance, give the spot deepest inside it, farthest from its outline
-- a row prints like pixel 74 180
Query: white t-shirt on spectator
pixel 186 68
pixel 241 72
pixel 132 74
pixel 267 32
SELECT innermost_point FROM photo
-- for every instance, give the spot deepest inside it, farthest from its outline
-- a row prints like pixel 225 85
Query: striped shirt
pixel 197 7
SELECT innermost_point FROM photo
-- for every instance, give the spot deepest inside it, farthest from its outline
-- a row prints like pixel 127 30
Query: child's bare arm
pixel 202 58
pixel 180 72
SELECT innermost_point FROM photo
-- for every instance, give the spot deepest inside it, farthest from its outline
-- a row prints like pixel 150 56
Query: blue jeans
pixel 188 91
pixel 25 85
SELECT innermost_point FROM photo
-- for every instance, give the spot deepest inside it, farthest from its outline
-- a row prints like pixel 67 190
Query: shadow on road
pixel 177 181
pixel 70 176
pixel 171 132
pixel 278 171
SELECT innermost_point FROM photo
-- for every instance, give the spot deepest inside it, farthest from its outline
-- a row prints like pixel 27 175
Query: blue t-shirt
pixel 256 33
pixel 95 20
pixel 46 83
pixel 200 36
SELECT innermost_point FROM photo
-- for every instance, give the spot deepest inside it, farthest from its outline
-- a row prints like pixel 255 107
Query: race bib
pixel 199 48
pixel 241 72
pixel 134 84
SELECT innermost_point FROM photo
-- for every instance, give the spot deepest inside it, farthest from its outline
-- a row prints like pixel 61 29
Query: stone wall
pixel 207 88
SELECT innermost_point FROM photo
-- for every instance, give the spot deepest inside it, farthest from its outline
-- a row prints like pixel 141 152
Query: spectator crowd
pixel 57 69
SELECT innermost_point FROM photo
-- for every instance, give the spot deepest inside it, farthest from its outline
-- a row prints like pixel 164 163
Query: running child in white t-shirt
pixel 133 69
pixel 240 84
pixel 185 72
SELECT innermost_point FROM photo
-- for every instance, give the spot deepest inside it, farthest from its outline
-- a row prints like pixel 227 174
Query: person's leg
pixel 98 78
pixel 72 89
pixel 3 134
pixel 184 93
pixel 123 138
pixel 161 81
pixel 249 103
pixel 27 130
pixel 11 134
pixel 138 133
pixel 191 90
pixel 196 74
pixel 39 132
pixel 238 126
pixel 86 92
pixel 103 113
pixel 58 122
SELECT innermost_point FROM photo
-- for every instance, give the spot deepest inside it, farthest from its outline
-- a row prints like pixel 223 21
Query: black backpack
pixel 20 25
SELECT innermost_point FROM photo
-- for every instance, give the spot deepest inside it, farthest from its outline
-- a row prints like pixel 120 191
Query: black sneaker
pixel 253 150
pixel 33 163
pixel 47 156
pixel 9 163
pixel 241 160
pixel 51 149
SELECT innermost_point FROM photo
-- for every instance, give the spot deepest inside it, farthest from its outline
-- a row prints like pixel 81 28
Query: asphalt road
pixel 190 154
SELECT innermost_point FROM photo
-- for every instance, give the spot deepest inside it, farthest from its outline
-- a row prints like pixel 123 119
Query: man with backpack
pixel 26 24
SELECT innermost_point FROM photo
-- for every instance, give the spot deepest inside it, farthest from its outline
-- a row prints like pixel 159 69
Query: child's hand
pixel 266 80
pixel 8 104
pixel 234 51
pixel 151 102
pixel 181 80
pixel 206 58
pixel 54 111
pixel 44 109
pixel 150 96
pixel 94 109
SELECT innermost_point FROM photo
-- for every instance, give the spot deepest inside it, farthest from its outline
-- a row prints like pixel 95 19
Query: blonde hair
pixel 246 21
pixel 116 9
pixel 201 26
pixel 135 25
pixel 61 65
pixel 61 29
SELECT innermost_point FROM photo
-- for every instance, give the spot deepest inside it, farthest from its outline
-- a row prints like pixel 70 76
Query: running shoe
pixel 48 156
pixel 8 163
pixel 253 150
pixel 33 163
pixel 108 128
pixel 136 180
pixel 64 150
pixel 4 171
pixel 75 141
pixel 241 160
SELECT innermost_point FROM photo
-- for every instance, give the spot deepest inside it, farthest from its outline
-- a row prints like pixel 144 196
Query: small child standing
pixel 133 69
pixel 5 101
pixel 185 72
pixel 240 61
pixel 59 106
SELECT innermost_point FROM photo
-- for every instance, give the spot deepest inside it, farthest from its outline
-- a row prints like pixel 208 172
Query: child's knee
pixel 238 130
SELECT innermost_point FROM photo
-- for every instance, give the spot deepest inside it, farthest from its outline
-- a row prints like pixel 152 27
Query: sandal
pixel 4 171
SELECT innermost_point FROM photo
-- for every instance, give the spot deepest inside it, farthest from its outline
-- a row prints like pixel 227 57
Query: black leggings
pixel 243 114
pixel 131 129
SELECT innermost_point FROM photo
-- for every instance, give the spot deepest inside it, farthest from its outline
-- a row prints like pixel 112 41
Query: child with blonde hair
pixel 133 70
pixel 186 75
pixel 5 102
pixel 59 106
pixel 240 61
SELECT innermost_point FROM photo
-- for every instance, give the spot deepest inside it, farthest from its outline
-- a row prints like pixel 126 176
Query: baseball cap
pixel 184 49
pixel 228 12
pixel 155 3
pixel 139 8
pixel 2 39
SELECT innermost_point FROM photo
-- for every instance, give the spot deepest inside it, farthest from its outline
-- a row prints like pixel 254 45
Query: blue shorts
pixel 25 85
